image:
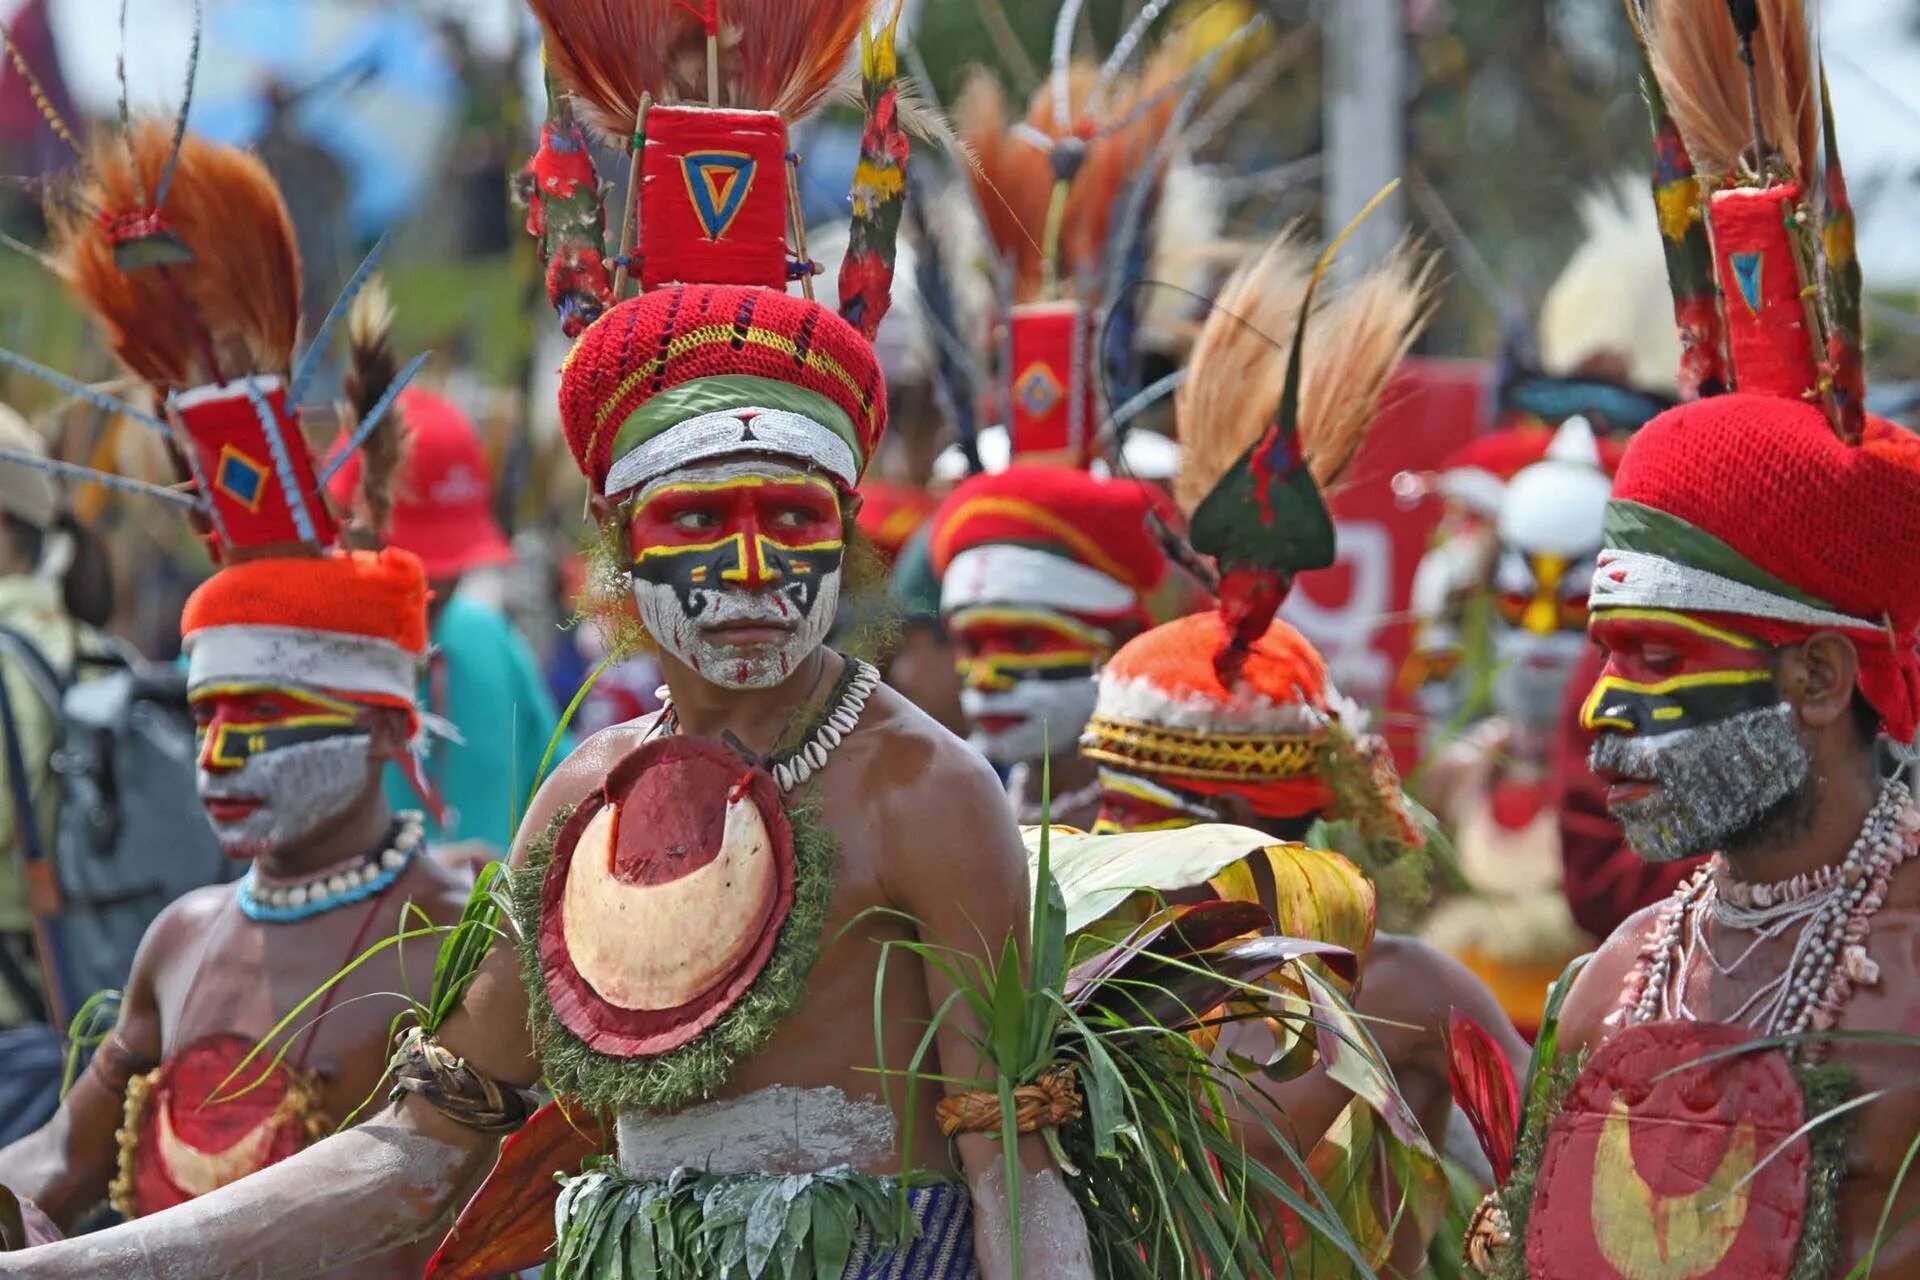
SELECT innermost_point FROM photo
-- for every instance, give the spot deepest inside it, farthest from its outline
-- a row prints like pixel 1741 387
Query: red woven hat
pixel 1097 552
pixel 349 622
pixel 693 372
pixel 443 502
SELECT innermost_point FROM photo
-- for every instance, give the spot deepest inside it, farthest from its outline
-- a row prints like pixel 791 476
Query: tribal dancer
pixel 302 661
pixel 1758 597
pixel 702 897
pixel 1044 572
pixel 1187 732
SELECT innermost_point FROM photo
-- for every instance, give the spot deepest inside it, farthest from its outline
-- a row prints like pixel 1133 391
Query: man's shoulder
pixel 917 759
pixel 1603 979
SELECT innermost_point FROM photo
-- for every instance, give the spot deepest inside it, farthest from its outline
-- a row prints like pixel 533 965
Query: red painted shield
pixel 665 896
pixel 1650 1168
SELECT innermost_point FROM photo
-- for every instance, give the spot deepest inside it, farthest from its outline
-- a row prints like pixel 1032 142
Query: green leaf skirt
pixel 839 1224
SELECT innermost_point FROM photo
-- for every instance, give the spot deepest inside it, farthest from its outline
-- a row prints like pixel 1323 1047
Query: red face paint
pixel 1666 671
pixel 234 723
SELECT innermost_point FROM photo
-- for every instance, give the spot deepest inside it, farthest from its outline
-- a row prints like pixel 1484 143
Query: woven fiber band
pixel 332 660
pixel 1184 753
pixel 1641 580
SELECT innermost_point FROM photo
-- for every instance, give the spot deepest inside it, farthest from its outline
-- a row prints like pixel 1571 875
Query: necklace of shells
pixel 794 766
pixel 1833 909
pixel 272 901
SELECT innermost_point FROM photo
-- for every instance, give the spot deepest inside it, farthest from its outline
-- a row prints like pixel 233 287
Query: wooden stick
pixel 628 219
pixel 798 221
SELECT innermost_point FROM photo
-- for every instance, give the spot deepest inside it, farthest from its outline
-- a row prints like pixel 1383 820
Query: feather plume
pixel 371 368
pixel 1238 367
pixel 1695 53
pixel 238 300
pixel 1014 166
pixel 774 55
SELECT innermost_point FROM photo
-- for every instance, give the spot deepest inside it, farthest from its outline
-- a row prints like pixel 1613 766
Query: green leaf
pixel 833 1231
pixel 1096 874
pixel 1352 1059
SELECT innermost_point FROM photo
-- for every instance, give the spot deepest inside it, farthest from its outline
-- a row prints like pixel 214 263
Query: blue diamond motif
pixel 241 478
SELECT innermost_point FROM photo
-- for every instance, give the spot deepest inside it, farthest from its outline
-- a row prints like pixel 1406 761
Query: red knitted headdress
pixel 890 514
pixel 1052 537
pixel 677 375
pixel 1779 507
pixel 714 357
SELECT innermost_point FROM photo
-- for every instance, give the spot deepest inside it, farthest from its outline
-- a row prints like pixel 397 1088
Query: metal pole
pixel 1365 72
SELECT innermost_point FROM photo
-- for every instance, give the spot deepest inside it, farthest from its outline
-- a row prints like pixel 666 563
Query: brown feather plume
pixel 775 55
pixel 1356 339
pixel 1696 57
pixel 1014 178
pixel 239 297
pixel 371 368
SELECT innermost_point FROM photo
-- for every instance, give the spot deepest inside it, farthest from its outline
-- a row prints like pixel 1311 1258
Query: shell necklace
pixel 794 766
pixel 272 901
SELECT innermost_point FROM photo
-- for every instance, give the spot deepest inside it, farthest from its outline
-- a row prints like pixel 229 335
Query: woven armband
pixel 1053 1099
pixel 424 1067
pixel 114 1064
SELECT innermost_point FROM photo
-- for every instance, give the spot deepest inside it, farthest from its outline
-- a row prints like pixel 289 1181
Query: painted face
pixel 277 763
pixel 1027 679
pixel 1540 599
pixel 1696 747
pixel 736 568
pixel 1129 802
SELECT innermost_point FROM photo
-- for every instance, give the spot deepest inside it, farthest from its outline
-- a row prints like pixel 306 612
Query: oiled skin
pixel 205 968
pixel 924 831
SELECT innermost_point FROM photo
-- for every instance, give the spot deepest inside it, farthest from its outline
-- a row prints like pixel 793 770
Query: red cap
pixel 443 498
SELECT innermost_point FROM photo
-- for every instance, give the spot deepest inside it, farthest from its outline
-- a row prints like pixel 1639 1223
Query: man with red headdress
pixel 1759 598
pixel 1044 572
pixel 302 660
pixel 702 899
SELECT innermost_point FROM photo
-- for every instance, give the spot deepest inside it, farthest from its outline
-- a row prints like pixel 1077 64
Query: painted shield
pixel 665 896
pixel 1654 1168
pixel 198 1126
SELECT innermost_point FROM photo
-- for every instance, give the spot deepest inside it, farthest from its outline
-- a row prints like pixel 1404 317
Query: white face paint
pixel 1020 725
pixel 281 797
pixel 737 568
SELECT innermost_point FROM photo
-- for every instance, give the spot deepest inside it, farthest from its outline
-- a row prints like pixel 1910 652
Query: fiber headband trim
pixel 1634 526
pixel 1641 580
pixel 729 395
pixel 1007 573
pixel 329 660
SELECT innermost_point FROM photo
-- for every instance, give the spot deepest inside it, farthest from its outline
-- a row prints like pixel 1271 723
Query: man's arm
pixel 959 869
pixel 65 1166
pixel 386 1182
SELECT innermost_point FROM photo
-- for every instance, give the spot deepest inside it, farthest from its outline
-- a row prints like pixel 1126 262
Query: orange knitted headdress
pixel 352 623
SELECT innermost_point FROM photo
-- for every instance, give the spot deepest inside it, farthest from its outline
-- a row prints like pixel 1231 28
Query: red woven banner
pixel 246 453
pixel 1760 286
pixel 1053 399
pixel 713 198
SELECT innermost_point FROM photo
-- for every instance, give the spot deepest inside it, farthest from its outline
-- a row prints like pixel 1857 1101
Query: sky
pixel 1873 63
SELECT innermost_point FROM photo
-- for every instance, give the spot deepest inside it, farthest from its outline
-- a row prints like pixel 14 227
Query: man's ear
pixel 850 504
pixel 1817 676
pixel 607 515
pixel 388 726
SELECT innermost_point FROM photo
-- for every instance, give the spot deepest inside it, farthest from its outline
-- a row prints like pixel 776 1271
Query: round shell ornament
pixel 1661 1166
pixel 665 897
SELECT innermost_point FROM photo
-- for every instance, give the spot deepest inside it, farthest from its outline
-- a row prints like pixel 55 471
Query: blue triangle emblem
pixel 718 183
pixel 1746 275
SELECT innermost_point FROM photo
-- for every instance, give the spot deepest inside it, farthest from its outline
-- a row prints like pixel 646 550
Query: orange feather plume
pixel 240 296
pixel 1015 180
pixel 1696 57
pixel 774 55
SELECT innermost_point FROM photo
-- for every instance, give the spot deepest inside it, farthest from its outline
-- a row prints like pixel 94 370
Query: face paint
pixel 1702 789
pixel 276 763
pixel 1132 803
pixel 1029 679
pixel 1667 672
pixel 1541 603
pixel 1695 744
pixel 736 568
